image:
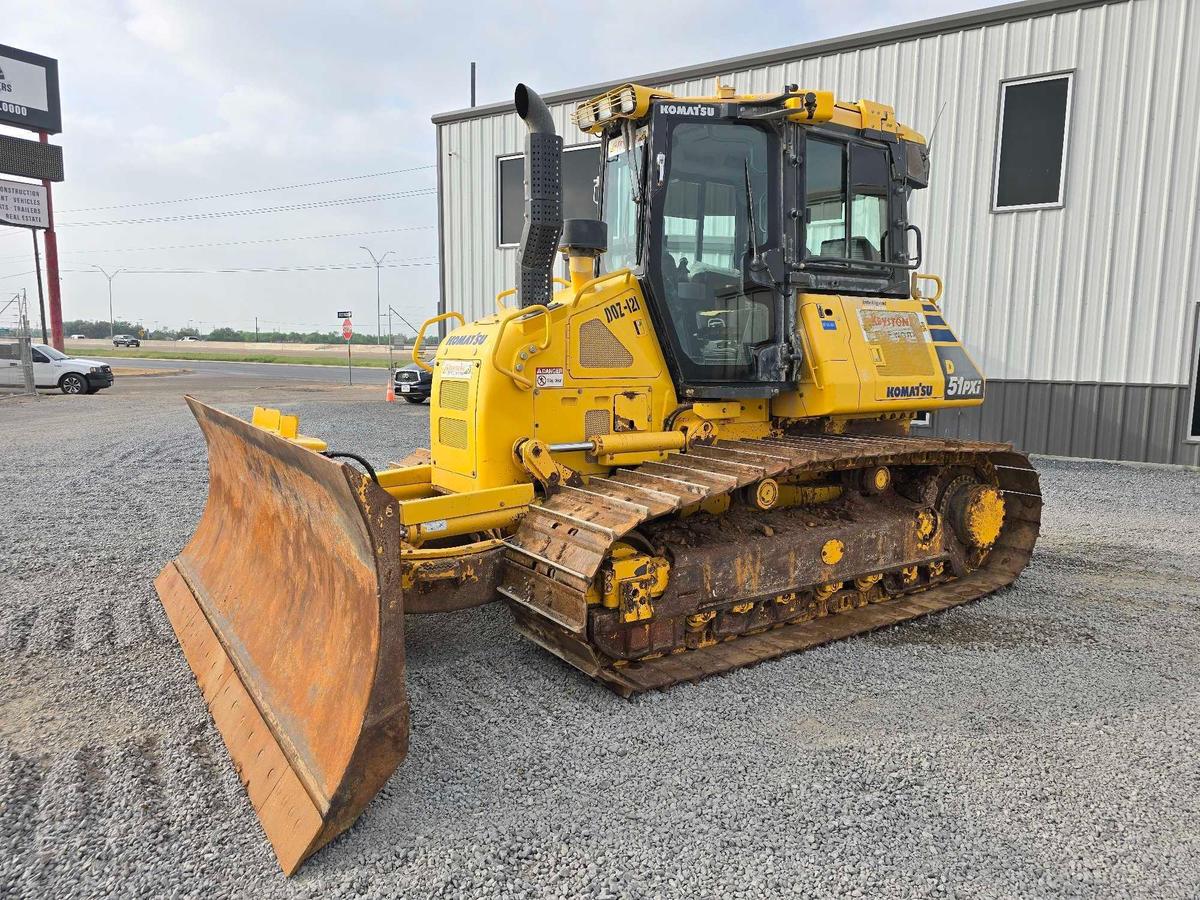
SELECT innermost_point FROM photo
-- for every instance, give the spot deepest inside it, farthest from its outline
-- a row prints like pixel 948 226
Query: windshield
pixel 50 352
pixel 708 237
pixel 620 208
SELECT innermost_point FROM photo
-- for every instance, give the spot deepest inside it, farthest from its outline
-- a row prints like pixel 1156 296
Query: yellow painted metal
pixel 808 494
pixel 632 580
pixel 537 460
pixel 470 524
pixel 983 515
pixel 926 525
pixel 286 426
pixel 766 493
pixel 918 294
pixel 407 482
pixel 416 351
pixel 832 552
pixel 811 106
pixel 638 442
pixel 628 101
pixel 515 367
pixel 469 503
pixel 868 357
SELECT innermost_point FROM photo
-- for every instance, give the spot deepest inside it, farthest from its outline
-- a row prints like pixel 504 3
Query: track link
pixel 563 542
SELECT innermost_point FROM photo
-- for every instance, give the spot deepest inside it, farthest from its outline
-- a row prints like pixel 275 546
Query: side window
pixel 868 202
pixel 580 166
pixel 1031 147
pixel 510 174
pixel 825 198
pixel 39 357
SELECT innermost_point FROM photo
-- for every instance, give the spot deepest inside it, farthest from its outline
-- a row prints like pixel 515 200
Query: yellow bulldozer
pixel 692 454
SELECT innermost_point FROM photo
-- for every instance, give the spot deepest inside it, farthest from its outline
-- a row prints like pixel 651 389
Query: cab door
pixel 45 372
pixel 10 365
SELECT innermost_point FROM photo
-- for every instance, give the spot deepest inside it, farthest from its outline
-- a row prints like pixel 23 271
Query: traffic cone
pixel 391 390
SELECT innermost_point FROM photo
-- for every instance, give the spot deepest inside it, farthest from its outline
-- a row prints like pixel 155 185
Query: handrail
pixel 500 307
pixel 923 276
pixel 416 356
pixel 560 280
pixel 521 380
pixel 592 282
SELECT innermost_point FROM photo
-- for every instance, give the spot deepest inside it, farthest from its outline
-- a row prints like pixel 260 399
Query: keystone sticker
pixel 549 377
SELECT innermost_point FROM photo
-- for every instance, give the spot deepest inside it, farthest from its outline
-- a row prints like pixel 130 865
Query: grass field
pixel 218 356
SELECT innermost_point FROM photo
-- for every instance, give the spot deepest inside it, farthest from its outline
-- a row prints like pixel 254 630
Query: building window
pixel 923 419
pixel 580 167
pixel 1031 145
pixel 1194 430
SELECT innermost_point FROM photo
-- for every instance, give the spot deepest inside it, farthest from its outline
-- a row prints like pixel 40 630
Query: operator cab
pixel 726 207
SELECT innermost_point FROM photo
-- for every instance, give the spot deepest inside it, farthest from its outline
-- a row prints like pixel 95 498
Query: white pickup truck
pixel 54 369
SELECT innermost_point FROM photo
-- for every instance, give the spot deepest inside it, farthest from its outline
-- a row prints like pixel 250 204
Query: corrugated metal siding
pixel 1099 290
pixel 1142 422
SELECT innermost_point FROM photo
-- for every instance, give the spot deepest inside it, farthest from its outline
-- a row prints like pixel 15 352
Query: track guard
pixel 288 604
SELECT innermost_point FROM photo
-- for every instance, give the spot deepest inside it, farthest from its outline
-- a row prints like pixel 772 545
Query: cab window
pixel 835 171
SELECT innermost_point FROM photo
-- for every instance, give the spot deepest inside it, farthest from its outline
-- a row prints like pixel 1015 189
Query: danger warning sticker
pixel 549 376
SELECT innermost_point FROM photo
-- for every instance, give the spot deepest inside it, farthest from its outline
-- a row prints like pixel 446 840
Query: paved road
pixel 274 371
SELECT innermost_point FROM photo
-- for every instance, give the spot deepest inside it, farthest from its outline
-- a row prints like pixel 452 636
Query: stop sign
pixel 347 329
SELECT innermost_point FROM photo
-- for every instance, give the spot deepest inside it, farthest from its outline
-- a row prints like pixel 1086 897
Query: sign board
pixel 29 90
pixel 30 159
pixel 23 204
pixel 344 314
pixel 347 329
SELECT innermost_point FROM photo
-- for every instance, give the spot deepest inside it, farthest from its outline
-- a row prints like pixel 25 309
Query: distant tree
pixel 225 334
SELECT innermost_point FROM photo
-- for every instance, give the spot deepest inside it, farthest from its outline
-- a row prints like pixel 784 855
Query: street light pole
pixel 378 310
pixel 110 278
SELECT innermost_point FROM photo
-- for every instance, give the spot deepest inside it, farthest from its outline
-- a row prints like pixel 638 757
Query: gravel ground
pixel 1042 742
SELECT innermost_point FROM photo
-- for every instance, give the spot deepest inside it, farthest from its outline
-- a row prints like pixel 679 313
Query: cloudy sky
pixel 169 102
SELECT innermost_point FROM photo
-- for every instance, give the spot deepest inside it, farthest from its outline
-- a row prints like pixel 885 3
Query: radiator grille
pixel 596 421
pixel 453 393
pixel 599 348
pixel 452 433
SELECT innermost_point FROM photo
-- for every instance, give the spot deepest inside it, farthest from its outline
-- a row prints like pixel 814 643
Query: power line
pixel 292 207
pixel 415 262
pixel 301 237
pixel 283 187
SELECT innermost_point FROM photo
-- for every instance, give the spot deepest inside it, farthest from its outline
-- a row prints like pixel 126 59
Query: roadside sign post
pixel 30 100
pixel 347 333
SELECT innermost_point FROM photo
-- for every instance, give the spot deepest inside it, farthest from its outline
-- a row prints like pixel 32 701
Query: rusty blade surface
pixel 288 605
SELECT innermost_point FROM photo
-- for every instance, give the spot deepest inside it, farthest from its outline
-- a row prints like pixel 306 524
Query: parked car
pixel 189 337
pixel 78 337
pixel 126 340
pixel 413 383
pixel 54 369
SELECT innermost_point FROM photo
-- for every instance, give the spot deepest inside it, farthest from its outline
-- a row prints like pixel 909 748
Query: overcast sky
pixel 169 99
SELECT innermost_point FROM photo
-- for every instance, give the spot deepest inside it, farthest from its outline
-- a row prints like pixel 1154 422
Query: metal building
pixel 1070 259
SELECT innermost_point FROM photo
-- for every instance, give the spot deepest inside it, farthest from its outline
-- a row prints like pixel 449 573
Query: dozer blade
pixel 287 603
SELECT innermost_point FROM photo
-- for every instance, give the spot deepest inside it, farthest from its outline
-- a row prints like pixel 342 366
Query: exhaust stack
pixel 543 199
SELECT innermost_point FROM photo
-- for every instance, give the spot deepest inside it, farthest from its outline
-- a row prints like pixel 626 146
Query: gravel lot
pixel 1041 742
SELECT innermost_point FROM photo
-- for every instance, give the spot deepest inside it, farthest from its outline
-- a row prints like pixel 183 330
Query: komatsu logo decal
pixel 957 386
pixel 682 109
pixel 905 391
pixel 471 339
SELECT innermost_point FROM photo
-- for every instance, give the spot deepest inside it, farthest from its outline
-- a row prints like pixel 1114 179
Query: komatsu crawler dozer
pixel 692 454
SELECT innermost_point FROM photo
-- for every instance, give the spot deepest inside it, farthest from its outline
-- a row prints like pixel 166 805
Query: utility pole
pixel 378 309
pixel 256 329
pixel 472 85
pixel 37 267
pixel 51 237
pixel 110 306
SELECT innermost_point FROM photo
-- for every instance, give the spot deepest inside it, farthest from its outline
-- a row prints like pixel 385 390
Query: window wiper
pixel 755 262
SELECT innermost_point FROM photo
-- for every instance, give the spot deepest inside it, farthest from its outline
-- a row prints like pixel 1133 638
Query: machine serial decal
pixel 617 310
pixel 959 387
